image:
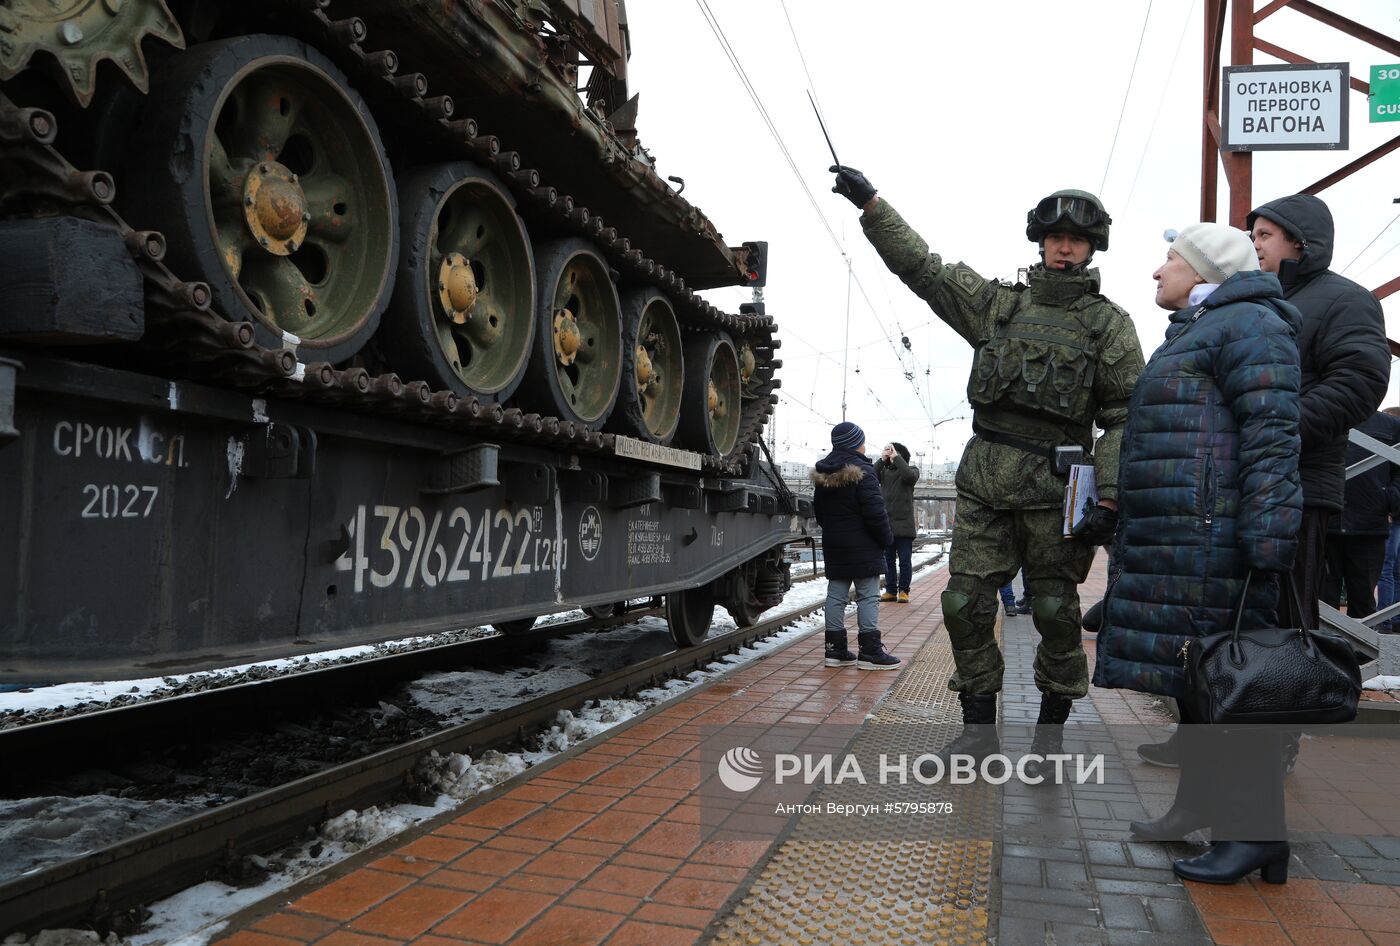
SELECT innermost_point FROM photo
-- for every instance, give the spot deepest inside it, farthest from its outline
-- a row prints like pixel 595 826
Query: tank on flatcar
pixel 328 320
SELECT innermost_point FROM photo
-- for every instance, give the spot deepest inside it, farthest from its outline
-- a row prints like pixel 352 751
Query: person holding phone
pixel 897 478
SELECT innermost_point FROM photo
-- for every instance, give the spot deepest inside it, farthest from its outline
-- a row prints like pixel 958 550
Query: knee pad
pixel 1056 620
pixel 957 612
pixel 969 612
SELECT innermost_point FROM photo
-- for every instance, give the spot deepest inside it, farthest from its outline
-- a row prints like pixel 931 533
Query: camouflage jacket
pixel 1210 486
pixel 1053 359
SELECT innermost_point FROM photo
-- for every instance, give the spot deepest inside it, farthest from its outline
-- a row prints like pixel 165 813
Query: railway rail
pixel 104 889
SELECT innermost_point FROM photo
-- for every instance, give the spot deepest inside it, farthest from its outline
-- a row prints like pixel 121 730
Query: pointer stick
pixel 834 158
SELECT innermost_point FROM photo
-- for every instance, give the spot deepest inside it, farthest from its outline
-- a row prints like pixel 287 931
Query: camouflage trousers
pixel 989 545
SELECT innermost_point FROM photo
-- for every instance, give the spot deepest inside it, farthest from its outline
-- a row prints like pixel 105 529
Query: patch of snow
pixel 1382 682
pixel 34 832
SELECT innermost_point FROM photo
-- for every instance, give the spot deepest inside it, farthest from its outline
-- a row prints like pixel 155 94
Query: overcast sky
pixel 963 115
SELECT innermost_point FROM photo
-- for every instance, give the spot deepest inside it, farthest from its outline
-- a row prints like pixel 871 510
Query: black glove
pixel 1097 526
pixel 852 185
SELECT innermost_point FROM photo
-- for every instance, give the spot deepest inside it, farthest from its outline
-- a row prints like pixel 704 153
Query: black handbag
pixel 1288 675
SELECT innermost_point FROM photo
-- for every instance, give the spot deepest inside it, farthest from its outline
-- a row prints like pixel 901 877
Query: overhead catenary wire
pixel 1126 92
pixel 1372 243
pixel 733 58
pixel 718 31
pixel 1166 87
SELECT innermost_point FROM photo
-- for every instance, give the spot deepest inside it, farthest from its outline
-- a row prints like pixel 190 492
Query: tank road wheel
pixel 710 411
pixel 576 367
pixel 463 310
pixel 267 176
pixel 653 374
pixel 688 614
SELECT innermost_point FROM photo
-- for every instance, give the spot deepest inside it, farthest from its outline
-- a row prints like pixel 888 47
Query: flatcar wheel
pixel 265 172
pixel 576 366
pixel 688 614
pixel 710 410
pixel 463 311
pixel 746 613
pixel 511 628
pixel 653 369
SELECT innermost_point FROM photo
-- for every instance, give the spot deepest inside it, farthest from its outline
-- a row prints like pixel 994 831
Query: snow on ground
pixel 195 915
pixel 47 829
pixel 1382 683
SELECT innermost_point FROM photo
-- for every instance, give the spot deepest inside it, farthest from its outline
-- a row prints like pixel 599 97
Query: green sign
pixel 1385 93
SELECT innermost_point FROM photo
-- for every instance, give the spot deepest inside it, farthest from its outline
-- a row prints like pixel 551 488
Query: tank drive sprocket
pixel 70 37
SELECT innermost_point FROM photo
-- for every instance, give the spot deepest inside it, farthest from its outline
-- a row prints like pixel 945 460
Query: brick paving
pixel 606 845
pixel 603 846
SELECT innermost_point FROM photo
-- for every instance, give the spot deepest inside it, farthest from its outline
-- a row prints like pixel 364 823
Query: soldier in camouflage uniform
pixel 1052 360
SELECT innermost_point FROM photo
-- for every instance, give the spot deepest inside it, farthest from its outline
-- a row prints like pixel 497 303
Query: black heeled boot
pixel 1228 861
pixel 979 733
pixel 1049 733
pixel 1176 824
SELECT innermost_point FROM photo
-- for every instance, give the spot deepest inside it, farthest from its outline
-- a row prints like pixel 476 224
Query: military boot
pixel 1049 733
pixel 979 733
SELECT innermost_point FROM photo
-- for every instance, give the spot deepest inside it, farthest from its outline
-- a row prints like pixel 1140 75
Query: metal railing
pixel 1381 649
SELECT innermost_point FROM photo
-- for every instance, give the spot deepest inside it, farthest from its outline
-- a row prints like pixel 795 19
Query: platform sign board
pixel 1285 107
pixel 1385 93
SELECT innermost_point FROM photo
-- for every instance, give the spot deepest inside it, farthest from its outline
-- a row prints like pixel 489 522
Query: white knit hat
pixel 1215 251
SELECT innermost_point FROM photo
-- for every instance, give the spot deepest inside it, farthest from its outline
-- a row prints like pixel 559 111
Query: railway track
pixel 105 889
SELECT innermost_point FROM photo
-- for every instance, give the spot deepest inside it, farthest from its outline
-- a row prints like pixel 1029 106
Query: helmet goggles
pixel 1076 211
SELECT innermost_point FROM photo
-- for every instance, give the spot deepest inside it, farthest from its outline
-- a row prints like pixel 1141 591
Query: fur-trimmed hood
pixel 848 474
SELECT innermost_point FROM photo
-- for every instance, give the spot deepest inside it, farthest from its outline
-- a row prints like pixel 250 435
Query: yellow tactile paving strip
pixel 913 878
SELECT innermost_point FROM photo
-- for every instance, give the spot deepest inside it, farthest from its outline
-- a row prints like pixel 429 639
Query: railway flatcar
pixel 329 322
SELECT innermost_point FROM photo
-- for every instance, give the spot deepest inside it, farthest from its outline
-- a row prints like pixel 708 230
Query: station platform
pixel 630 839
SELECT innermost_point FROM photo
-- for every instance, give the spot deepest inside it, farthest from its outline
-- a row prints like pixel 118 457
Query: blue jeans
pixel 867 604
pixel 1008 595
pixel 1388 588
pixel 903 546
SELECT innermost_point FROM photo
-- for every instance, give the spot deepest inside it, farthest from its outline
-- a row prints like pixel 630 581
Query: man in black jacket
pixel 855 530
pixel 1356 538
pixel 1345 359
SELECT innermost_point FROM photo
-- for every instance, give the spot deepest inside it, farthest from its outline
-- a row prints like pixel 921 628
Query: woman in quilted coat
pixel 1209 493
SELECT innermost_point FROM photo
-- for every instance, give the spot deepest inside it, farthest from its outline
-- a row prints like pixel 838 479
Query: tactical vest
pixel 1039 365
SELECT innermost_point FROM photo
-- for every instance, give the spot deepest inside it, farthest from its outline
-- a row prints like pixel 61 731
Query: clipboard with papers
pixel 1081 495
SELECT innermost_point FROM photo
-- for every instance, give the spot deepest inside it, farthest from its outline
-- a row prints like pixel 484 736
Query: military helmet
pixel 1070 210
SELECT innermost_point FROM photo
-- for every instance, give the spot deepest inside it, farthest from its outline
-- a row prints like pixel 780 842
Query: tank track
pixel 183 334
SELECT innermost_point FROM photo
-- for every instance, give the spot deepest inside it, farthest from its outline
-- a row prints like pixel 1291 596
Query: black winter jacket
pixel 851 513
pixel 1345 358
pixel 1374 496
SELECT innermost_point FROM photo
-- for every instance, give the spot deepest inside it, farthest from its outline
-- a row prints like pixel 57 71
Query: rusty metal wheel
pixel 265 172
pixel 710 410
pixel 653 369
pixel 576 365
pixel 463 312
